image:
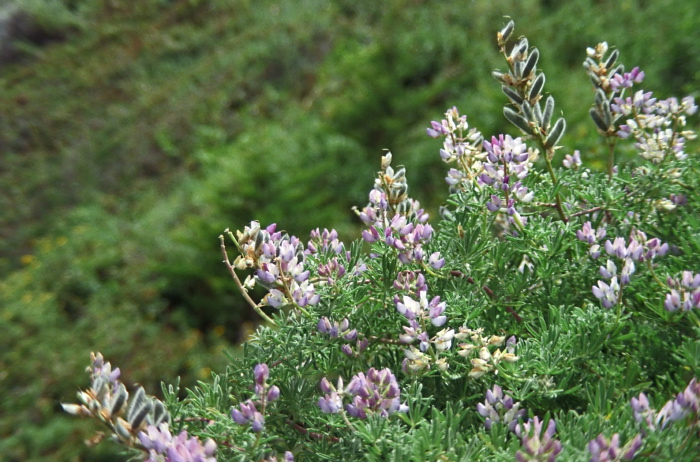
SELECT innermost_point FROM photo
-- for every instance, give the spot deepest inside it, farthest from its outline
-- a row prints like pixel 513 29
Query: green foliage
pixel 589 276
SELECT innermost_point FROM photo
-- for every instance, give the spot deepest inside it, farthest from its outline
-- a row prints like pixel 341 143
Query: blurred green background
pixel 132 133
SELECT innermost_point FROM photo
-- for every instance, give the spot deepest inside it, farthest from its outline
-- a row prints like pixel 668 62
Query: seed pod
pixel 76 409
pixel 600 98
pixel 531 62
pixel 498 75
pixel 607 115
pixel 140 414
pixel 121 428
pixel 258 240
pixel 118 400
pixel 517 120
pixel 403 207
pixel 537 86
pixel 598 120
pixel 537 109
pixel 100 387
pixel 160 414
pixel 512 95
pixel 519 51
pixel 137 401
pixel 527 112
pixel 399 192
pixel 588 63
pixel 556 133
pixel 548 111
pixel 518 67
pixel 611 59
pixel 505 33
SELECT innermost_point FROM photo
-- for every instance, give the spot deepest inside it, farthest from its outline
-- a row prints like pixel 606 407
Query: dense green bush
pixel 550 313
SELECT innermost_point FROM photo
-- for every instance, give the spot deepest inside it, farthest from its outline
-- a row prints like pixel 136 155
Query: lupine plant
pixel 547 313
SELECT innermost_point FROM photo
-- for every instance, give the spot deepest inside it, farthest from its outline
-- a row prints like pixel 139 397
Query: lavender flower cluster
pixel 377 392
pixel 686 403
pixel 537 446
pixel 278 260
pixel 397 220
pixel 685 293
pixel 142 422
pixel 500 164
pixel 507 160
pixel 500 408
pixel 462 145
pixel 163 447
pixel 417 312
pixel 247 412
pixel 342 330
pixel 609 450
pixel 656 125
pixel 638 249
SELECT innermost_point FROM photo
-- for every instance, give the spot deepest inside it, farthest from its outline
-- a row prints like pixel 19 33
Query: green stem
pixel 553 176
pixel 430 271
pixel 347 421
pixel 619 306
pixel 656 278
pixel 611 156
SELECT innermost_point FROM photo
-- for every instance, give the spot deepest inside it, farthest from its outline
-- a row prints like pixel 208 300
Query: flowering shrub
pixel 494 333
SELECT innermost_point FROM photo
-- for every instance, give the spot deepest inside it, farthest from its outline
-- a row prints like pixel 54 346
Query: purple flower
pixel 336 329
pixel 500 409
pixel 411 281
pixel 273 393
pixel 435 261
pixel 572 161
pixel 377 392
pixel 627 271
pixel 495 204
pixel 616 248
pixel 604 450
pixel 248 414
pixel 607 294
pixel 537 445
pixel 370 235
pixel 685 293
pixel 687 402
pixel 276 298
pixel 626 80
pixel 435 310
pixel 642 411
pixel 331 403
pixel 261 373
pixel 588 234
pixel 609 270
pixel 160 442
